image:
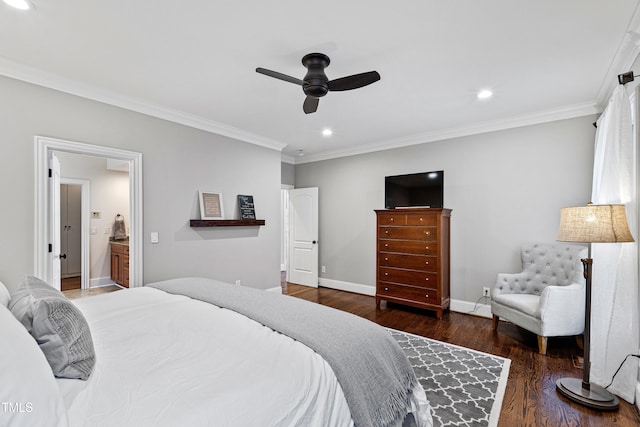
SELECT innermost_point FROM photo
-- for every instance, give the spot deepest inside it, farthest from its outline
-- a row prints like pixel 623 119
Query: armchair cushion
pixel 525 303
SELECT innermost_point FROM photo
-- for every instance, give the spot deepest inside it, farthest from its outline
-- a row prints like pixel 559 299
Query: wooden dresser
pixel 120 263
pixel 413 258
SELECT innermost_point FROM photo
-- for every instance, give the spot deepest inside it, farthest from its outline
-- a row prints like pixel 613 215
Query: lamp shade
pixel 594 224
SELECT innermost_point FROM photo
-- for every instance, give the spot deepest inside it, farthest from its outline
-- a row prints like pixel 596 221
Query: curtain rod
pixel 625 78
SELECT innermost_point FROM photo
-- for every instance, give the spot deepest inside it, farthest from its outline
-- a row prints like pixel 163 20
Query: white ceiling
pixel 194 63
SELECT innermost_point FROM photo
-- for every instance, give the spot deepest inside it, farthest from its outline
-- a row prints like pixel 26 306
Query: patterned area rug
pixel 464 387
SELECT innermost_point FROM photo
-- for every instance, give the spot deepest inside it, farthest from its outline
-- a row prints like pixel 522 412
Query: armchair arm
pixel 561 310
pixel 510 283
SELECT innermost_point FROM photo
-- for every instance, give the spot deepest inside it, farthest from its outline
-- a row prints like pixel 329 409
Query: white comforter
pixel 168 360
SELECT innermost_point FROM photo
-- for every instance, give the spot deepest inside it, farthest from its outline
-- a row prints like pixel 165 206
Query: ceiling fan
pixel 316 84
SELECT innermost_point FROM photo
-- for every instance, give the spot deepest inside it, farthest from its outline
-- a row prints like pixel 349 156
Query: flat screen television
pixel 414 190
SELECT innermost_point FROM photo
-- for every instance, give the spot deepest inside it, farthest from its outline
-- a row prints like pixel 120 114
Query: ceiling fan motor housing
pixel 315 81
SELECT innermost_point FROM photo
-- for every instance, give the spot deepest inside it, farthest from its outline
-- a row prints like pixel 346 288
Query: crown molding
pixel 41 78
pixel 568 112
pixel 288 159
pixel 38 77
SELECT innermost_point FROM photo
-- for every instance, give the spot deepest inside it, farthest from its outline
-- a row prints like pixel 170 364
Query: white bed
pixel 170 360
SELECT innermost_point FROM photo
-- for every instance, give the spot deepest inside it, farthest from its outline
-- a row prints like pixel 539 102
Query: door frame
pixel 85 247
pixel 45 145
pixel 284 224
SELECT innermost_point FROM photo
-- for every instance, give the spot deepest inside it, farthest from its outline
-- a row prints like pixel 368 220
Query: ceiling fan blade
pixel 354 82
pixel 279 76
pixel 310 104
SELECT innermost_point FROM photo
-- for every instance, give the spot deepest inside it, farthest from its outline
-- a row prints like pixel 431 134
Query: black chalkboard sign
pixel 245 205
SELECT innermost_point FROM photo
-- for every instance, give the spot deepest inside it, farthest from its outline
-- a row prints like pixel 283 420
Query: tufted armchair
pixel 547 297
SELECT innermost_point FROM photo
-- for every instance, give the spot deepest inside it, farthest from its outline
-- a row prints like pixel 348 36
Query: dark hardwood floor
pixel 530 397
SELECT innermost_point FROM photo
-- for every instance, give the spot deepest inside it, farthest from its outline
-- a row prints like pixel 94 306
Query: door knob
pixel 314 242
pixel 63 256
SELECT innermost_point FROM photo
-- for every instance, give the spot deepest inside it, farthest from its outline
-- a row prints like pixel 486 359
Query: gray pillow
pixel 58 326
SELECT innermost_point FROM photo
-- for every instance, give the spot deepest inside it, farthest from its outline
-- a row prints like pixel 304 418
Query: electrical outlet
pixel 324 268
pixel 486 292
pixel 238 282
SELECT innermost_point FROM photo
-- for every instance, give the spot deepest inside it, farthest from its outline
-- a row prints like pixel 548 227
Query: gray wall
pixel 505 188
pixel 288 173
pixel 177 161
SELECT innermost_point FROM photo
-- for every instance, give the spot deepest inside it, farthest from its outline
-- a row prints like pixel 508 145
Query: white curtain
pixel 615 325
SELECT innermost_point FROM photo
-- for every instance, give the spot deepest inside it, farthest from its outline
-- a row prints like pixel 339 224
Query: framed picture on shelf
pixel 246 208
pixel 211 205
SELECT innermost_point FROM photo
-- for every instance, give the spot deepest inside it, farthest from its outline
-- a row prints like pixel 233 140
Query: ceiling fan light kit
pixel 316 84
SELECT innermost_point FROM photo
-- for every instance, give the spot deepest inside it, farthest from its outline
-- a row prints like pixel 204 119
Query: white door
pixel 54 220
pixel 303 236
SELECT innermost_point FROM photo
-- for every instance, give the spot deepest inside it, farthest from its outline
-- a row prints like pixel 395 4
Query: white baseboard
pixel 348 286
pixel 482 310
pixel 277 289
pixel 466 307
pixel 638 396
pixel 100 281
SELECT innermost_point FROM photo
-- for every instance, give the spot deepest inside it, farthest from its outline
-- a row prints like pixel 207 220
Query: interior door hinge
pixel 50 248
pixel 50 173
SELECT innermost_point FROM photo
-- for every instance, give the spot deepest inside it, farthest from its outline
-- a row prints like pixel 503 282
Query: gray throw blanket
pixel 370 366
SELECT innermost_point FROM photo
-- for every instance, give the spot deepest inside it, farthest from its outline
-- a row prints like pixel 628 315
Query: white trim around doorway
pixel 43 147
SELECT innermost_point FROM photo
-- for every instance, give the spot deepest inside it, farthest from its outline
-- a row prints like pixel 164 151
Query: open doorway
pixel 47 254
pixel 87 229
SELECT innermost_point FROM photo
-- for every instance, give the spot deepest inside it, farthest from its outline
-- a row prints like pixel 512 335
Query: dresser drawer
pixel 410 293
pixel 411 262
pixel 392 219
pixel 408 233
pixel 421 279
pixel 408 247
pixel 421 219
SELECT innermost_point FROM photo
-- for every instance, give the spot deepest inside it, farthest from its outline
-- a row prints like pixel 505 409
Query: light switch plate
pixel 154 237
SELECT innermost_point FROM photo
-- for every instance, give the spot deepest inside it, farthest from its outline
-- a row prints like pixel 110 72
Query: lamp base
pixel 595 397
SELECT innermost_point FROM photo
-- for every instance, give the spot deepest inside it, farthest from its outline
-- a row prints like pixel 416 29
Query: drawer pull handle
pixel 427 295
pixel 391 219
pixel 386 289
pixel 386 274
pixel 386 259
pixel 386 245
pixel 386 232
pixel 427 232
pixel 427 262
pixel 421 219
pixel 426 247
pixel 427 279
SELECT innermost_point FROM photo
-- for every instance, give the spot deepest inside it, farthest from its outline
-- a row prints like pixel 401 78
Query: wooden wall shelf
pixel 226 222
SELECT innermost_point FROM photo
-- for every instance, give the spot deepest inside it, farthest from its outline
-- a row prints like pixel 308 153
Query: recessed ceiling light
pixel 20 4
pixel 327 132
pixel 485 94
pixel 300 153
